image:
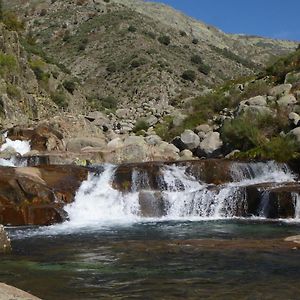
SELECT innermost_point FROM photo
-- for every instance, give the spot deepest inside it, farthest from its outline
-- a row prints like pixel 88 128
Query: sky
pixel 278 19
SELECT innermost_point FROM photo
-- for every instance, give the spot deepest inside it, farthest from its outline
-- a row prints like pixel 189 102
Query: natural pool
pixel 220 259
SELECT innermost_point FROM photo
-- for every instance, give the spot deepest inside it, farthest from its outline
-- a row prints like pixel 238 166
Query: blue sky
pixel 270 18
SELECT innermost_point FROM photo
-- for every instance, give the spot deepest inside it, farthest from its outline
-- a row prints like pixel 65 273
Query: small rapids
pixel 180 195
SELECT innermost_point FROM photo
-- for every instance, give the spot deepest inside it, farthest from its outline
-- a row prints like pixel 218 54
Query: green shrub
pixel 138 62
pixel 281 149
pixel 165 40
pixel 150 34
pixel 13 91
pixel 69 85
pixel 12 21
pixel 140 125
pixel 37 67
pixel 195 41
pixel 182 33
pixel 252 131
pixel 109 102
pixel 189 75
pixel 60 99
pixel 196 59
pixel 204 69
pixel 132 29
pixel 7 63
pixel 111 67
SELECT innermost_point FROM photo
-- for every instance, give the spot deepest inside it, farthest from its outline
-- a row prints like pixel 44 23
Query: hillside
pixel 126 53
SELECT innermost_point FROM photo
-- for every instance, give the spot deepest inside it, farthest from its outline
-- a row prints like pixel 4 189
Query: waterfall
pixel 97 201
pixel 296 197
pixel 21 147
pixel 179 195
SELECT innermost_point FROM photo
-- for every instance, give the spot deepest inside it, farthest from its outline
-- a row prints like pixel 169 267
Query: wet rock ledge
pixel 37 195
pixel 5 245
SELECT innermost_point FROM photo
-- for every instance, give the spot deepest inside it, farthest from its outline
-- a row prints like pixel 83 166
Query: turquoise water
pixel 160 260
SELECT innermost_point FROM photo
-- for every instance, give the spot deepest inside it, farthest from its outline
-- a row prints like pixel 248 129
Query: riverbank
pixel 12 293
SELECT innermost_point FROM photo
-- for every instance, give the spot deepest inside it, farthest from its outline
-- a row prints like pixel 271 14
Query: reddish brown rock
pixel 36 196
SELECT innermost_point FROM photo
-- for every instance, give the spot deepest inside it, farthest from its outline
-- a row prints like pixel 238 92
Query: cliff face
pixel 132 52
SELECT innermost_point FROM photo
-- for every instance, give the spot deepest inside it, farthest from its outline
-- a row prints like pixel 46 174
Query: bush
pixel 69 85
pixel 12 22
pixel 195 41
pixel 111 67
pixel 132 29
pixel 109 102
pixel 138 62
pixel 204 69
pixel 182 33
pixel 37 67
pixel 165 40
pixel 281 149
pixel 59 98
pixel 140 125
pixel 7 63
pixel 13 91
pixel 196 59
pixel 189 75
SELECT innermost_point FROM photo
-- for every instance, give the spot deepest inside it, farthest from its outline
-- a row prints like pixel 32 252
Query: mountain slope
pixel 132 52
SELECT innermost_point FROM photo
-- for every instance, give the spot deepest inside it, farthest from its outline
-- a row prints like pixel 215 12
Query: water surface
pixel 229 259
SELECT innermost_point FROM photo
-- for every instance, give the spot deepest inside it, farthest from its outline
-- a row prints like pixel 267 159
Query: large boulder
pixel 42 137
pixel 36 196
pixel 296 133
pixel 76 144
pixel 287 100
pixel 211 145
pixel 190 139
pixel 255 105
pixel 5 245
pixel 280 90
pixel 294 119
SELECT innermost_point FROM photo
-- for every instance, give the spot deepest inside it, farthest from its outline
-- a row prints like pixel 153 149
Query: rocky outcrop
pixel 36 196
pixel 10 292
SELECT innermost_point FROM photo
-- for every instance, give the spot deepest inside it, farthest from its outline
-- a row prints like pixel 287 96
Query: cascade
pixel 20 147
pixel 179 196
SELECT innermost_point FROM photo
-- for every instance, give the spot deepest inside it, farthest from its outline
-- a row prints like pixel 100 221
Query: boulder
pixel 36 196
pixel 186 155
pixel 190 139
pixel 296 133
pixel 115 144
pixel 122 113
pixel 204 128
pixel 280 90
pixel 5 245
pixel 211 144
pixel 294 119
pixel 151 120
pixel 153 140
pixel 99 119
pixel 255 105
pixel 256 101
pixel 287 100
pixel 76 144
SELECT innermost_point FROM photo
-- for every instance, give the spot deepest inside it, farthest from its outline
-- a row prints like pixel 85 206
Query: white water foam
pixel 296 198
pixel 98 202
pixel 184 197
pixel 21 147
